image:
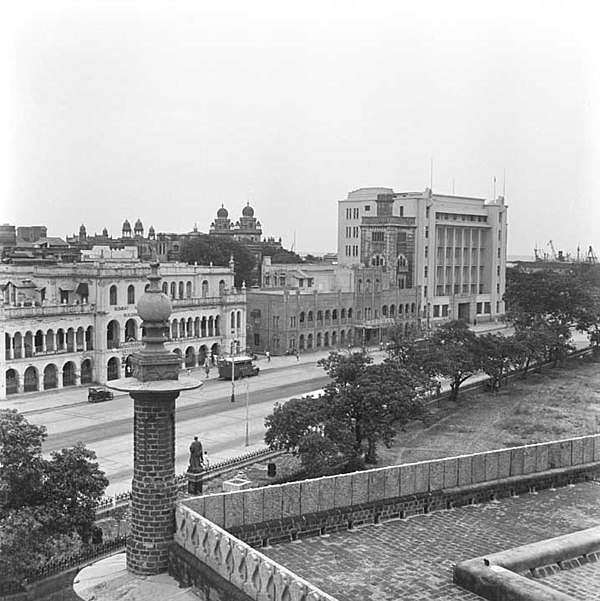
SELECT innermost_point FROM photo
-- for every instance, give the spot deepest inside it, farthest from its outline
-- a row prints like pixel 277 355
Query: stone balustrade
pixel 245 568
pixel 248 507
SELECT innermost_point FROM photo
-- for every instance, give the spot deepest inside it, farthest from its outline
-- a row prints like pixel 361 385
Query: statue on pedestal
pixel 196 457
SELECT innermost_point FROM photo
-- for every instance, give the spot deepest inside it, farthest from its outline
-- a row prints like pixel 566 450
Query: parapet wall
pixel 245 510
pixel 215 534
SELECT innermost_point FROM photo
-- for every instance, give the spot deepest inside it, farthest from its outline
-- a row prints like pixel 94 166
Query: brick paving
pixel 582 582
pixel 412 559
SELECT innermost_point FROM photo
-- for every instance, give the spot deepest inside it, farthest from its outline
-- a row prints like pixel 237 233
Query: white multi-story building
pixel 452 249
pixel 75 324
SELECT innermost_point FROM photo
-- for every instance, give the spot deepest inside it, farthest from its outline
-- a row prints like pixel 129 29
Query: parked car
pixel 96 395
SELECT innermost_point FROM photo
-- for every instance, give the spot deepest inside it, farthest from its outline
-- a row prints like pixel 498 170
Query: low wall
pixel 241 568
pixel 544 464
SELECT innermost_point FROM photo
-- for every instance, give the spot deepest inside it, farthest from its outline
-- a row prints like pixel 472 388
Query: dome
pixel 126 226
pixel 222 213
pixel 138 225
pixel 82 230
pixel 151 230
pixel 248 211
pixel 105 233
pixel 154 306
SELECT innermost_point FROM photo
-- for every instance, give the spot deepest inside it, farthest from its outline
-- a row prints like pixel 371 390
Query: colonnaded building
pixel 76 323
pixel 413 259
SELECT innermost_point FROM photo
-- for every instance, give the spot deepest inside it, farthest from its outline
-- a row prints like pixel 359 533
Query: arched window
pixel 334 315
pixel 360 286
pixel 165 288
pixel 221 287
pixel 204 288
pixel 233 320
pixel 131 294
pixel 239 319
pixel 327 315
pixel 350 313
pixel 392 310
pixel 368 286
pixel 310 316
pixel 302 316
pixel 384 310
pixel 343 313
pixel 173 289
pixel 180 289
pixel 377 285
pixel 319 315
pixel 112 295
pixel 188 290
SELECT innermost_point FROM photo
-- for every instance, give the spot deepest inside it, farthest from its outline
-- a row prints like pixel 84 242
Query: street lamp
pixel 233 350
pixel 247 412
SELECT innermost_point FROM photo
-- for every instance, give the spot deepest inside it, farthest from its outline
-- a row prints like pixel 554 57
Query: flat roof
pixel 412 559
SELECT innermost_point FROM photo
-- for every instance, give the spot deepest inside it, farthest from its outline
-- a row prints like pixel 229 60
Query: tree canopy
pixel 218 250
pixel 47 506
pixel 361 407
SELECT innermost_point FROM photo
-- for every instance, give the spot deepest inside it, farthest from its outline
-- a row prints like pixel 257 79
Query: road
pixel 107 427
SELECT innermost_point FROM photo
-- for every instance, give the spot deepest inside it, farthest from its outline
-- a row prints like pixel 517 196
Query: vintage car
pixel 95 395
pixel 242 367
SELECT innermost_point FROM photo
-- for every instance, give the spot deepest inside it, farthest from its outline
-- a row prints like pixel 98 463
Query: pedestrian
pixel 207 368
pixel 297 355
pixel 268 356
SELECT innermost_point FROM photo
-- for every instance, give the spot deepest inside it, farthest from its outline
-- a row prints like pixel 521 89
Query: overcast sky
pixel 164 111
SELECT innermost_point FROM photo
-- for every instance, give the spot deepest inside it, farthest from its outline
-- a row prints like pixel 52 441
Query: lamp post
pixel 247 412
pixel 233 351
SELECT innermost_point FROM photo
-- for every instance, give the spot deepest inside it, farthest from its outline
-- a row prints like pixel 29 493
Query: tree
pixel 361 407
pixel 496 355
pixel 218 250
pixel 46 506
pixel 450 352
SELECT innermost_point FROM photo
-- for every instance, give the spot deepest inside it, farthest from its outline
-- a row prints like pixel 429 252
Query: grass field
pixel 558 403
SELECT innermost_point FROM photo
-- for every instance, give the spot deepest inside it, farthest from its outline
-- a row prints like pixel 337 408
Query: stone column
pixel 154 385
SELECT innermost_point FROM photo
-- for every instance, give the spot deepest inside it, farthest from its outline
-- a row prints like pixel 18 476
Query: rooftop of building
pixel 412 558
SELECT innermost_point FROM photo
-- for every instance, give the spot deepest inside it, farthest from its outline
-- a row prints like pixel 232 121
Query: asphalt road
pixel 107 427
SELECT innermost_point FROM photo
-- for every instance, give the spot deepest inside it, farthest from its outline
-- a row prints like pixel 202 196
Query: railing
pixel 107 504
pixel 47 310
pixel 247 569
pixel 66 563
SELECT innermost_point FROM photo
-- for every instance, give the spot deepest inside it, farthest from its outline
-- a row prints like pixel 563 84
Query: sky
pixel 165 111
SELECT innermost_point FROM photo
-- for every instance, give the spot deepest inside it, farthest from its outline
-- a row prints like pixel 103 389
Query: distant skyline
pixel 164 111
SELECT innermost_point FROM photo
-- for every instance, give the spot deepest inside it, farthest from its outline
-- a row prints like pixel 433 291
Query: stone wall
pixel 219 566
pixel 283 512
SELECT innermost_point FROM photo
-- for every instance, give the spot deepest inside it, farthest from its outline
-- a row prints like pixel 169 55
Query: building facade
pixel 450 249
pixel 318 305
pixel 76 324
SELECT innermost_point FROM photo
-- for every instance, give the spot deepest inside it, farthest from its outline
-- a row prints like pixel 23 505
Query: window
pixel 348 231
pixel 355 231
pixel 487 308
pixel 426 251
pixel 275 322
pixel 302 317
pixel 367 207
pixel 267 280
pixel 310 316
pixel 401 211
pixel 499 252
pixel 256 339
pixel 112 295
pixel 444 310
pixel 311 281
pixel 426 271
pixel 426 212
pixel 426 231
pixel 282 280
pixel 355 213
pixel 377 237
pixel 436 310
pixel 479 308
pixel 300 282
pixel 131 294
pixel 292 321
